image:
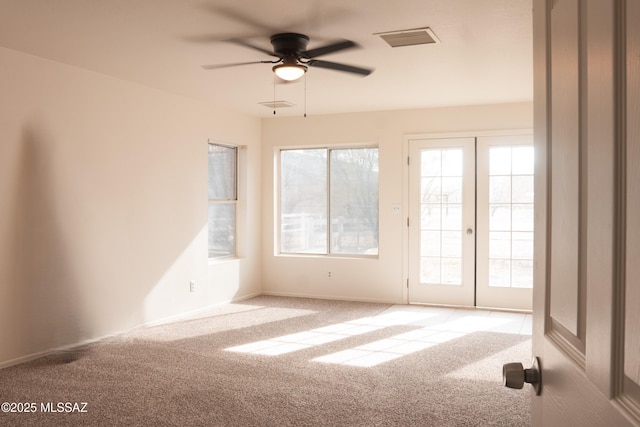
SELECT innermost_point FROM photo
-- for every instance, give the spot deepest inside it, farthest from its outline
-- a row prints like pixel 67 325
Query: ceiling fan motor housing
pixel 289 44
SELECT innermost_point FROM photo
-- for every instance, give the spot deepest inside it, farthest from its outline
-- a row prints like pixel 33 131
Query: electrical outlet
pixel 192 286
pixel 328 275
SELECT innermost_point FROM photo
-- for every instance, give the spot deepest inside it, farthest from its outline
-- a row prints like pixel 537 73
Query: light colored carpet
pixel 272 361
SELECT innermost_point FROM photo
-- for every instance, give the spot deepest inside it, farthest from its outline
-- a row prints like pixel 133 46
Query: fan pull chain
pixel 305 94
pixel 274 94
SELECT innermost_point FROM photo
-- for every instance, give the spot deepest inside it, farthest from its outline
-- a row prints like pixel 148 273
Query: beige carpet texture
pixel 275 361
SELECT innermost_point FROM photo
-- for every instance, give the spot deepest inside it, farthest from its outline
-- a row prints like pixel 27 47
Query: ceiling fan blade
pixel 236 64
pixel 212 38
pixel 340 67
pixel 330 48
pixel 245 43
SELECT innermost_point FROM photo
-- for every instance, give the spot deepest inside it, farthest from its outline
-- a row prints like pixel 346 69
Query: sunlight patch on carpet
pixel 433 326
pixel 331 333
pixel 302 340
pixel 385 350
pixel 377 352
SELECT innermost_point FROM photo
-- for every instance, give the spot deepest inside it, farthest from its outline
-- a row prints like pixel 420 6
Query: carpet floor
pixel 273 361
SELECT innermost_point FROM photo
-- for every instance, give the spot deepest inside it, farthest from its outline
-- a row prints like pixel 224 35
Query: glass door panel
pixel 442 203
pixel 505 221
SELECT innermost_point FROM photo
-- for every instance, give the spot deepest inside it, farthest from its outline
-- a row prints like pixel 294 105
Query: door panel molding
pixel 587 390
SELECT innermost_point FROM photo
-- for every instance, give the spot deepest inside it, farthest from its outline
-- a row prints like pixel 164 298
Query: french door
pixel 471 221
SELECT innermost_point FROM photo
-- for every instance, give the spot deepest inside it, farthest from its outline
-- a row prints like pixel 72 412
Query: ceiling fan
pixel 293 58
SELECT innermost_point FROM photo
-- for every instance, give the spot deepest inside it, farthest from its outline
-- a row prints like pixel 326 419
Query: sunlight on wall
pixel 172 289
pixel 433 326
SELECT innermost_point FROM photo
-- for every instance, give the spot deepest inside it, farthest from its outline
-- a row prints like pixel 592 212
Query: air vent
pixel 413 37
pixel 276 104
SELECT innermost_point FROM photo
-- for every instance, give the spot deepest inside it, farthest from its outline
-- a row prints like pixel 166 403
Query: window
pixel 223 199
pixel 329 201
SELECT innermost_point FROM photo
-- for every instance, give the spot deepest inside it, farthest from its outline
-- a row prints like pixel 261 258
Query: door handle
pixel 469 230
pixel 514 375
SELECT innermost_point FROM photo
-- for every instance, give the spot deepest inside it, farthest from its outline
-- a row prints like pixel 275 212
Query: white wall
pixel 378 279
pixel 103 209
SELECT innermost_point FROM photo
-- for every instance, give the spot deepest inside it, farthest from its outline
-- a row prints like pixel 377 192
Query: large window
pixel 329 201
pixel 223 198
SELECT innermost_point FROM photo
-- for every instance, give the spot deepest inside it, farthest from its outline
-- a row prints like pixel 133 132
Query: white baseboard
pixel 330 297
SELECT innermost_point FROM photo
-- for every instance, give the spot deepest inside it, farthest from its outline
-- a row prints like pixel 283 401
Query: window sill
pixel 328 256
pixel 223 260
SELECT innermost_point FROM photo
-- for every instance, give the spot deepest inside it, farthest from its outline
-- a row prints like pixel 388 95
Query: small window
pixel 329 201
pixel 223 200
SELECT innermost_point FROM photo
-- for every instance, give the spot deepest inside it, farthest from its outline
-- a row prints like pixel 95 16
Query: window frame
pixel 234 200
pixel 278 201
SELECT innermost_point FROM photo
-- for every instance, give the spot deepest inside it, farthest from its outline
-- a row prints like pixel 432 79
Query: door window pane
pixel 522 245
pixel 431 163
pixel 522 273
pixel 451 271
pixel 452 162
pixel 522 217
pixel 500 161
pixel 452 216
pixel 452 189
pixel 499 244
pixel 430 243
pixel 430 218
pixel 499 272
pixel 522 189
pixel 432 190
pixel 452 244
pixel 500 189
pixel 522 160
pixel 499 217
pixel 430 270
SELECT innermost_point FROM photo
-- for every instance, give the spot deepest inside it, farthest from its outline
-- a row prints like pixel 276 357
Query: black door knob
pixel 514 375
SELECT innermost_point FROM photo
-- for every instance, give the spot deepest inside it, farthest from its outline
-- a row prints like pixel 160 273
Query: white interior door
pixel 587 279
pixel 441 206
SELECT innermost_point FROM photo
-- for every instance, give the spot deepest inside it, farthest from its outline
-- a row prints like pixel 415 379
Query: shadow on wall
pixel 48 295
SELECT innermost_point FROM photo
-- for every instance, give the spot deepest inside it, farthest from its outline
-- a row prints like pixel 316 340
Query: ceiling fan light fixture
pixel 289 72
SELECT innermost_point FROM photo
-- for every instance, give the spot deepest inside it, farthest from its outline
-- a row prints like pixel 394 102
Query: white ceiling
pixel 485 54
